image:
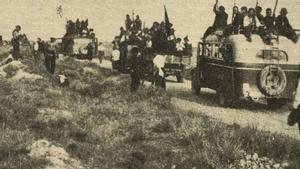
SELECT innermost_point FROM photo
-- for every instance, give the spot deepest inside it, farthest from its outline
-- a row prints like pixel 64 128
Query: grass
pixel 112 128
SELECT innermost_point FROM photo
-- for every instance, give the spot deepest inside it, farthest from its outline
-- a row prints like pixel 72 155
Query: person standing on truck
pixel 16 38
pixel 138 23
pixel 220 22
pixel 283 26
pixel 128 22
pixel 134 69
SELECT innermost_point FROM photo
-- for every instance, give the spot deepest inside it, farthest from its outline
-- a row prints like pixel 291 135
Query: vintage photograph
pixel 149 84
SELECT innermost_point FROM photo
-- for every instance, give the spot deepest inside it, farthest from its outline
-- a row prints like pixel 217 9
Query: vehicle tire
pixel 180 78
pixel 223 99
pixel 274 103
pixel 272 80
pixel 196 86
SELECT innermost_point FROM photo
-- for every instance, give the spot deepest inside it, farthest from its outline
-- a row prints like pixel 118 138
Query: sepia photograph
pixel 149 84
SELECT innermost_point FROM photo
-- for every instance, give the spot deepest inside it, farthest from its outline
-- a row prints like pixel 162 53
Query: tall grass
pixel 113 128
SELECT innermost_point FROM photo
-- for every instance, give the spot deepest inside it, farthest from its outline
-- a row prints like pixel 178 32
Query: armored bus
pixel 236 68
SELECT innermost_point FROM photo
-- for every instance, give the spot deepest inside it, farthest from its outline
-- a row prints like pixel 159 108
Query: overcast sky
pixel 38 18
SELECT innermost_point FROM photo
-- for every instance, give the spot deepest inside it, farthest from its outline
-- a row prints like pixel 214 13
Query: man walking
pixel 134 68
pixel 50 56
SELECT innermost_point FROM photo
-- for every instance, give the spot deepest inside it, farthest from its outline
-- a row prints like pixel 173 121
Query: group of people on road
pixel 251 21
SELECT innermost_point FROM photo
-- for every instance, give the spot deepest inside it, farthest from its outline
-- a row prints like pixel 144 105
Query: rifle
pixel 256 4
pixel 275 7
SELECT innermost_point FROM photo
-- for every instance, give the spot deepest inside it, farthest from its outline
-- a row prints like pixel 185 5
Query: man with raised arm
pixel 220 22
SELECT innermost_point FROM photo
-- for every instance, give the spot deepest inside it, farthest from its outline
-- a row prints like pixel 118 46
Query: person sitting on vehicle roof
pixel 237 23
pixel 249 24
pixel 283 26
pixel 220 22
pixel 269 20
pixel 259 16
pixel 244 12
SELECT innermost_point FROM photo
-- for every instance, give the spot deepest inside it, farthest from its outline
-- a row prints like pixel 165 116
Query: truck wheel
pixel 196 86
pixel 274 103
pixel 223 98
pixel 180 78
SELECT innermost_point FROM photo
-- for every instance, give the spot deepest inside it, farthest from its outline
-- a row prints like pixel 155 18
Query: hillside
pixel 95 122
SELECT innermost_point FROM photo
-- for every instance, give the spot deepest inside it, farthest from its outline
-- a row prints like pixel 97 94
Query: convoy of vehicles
pixel 236 68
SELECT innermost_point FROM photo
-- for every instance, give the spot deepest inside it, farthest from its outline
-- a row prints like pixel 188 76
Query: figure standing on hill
pixel 50 55
pixel 283 26
pixel 134 68
pixel 16 38
pixel 220 22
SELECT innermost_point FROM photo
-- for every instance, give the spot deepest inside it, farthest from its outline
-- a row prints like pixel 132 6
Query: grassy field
pixel 108 127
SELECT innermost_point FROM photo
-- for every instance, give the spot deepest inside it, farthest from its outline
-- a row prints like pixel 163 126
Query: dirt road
pixel 245 113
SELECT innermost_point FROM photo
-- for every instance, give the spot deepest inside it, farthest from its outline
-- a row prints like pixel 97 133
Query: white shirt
pixel 115 55
pixel 36 46
pixel 248 21
pixel 159 62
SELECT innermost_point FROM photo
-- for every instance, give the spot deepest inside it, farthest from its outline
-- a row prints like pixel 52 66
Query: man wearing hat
pixel 220 22
pixel 283 26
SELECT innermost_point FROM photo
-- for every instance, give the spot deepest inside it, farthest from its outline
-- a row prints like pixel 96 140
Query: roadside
pixel 245 114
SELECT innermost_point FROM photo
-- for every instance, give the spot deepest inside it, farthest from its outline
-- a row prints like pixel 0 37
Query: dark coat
pixel 220 19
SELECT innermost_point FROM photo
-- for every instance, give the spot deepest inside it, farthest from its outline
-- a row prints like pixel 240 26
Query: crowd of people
pixel 160 38
pixel 156 41
pixel 251 21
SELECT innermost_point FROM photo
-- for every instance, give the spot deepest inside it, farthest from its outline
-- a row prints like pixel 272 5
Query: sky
pixel 38 18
